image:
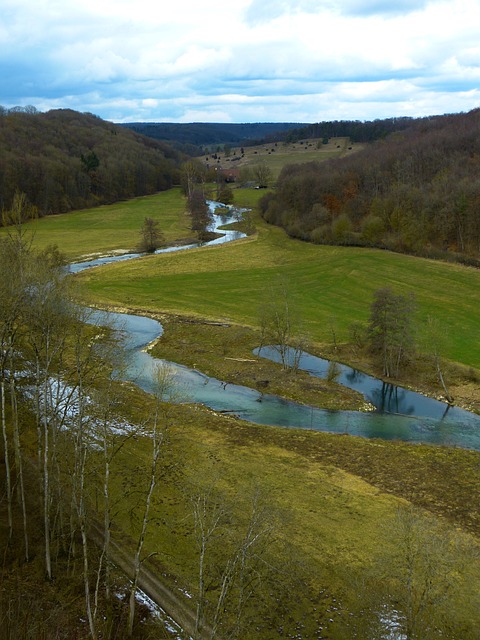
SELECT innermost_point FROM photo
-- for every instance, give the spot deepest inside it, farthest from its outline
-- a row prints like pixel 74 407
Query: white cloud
pixel 290 60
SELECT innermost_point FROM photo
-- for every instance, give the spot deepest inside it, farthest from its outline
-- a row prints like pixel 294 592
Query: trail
pixel 175 606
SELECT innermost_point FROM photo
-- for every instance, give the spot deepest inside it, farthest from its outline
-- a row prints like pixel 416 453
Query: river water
pixel 399 413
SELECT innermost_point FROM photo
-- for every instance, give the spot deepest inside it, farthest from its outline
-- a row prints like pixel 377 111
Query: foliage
pixel 63 160
pixel 415 191
pixel 204 134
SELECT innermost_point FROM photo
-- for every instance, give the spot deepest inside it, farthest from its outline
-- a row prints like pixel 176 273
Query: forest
pixel 415 191
pixel 64 160
pixel 196 135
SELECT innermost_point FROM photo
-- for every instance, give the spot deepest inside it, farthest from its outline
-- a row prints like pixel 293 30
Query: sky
pixel 241 60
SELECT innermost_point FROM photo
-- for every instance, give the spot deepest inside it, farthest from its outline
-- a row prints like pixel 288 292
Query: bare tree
pixel 263 174
pixel 158 438
pixel 230 555
pixel 192 174
pixel 423 575
pixel 435 340
pixel 391 335
pixel 280 326
pixel 150 236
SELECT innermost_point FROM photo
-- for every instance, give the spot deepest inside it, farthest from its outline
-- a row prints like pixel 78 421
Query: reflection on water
pixel 450 426
pixel 226 235
pixel 400 414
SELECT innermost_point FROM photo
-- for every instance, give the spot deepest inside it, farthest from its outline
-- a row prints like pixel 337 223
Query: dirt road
pixel 175 605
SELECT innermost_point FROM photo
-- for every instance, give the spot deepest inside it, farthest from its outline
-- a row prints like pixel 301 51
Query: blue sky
pixel 242 61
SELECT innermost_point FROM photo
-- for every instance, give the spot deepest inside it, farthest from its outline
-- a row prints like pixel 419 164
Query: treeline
pixel 356 130
pixel 417 191
pixel 193 137
pixel 61 456
pixel 63 160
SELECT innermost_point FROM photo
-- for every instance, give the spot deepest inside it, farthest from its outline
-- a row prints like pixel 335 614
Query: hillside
pixel 193 136
pixel 64 160
pixel 416 191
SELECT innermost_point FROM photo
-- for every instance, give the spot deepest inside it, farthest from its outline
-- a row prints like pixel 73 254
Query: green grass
pixel 329 492
pixel 328 286
pixel 276 157
pixel 333 498
pixel 111 227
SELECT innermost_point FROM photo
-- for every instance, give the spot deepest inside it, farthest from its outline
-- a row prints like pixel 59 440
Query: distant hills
pixel 64 160
pixel 193 137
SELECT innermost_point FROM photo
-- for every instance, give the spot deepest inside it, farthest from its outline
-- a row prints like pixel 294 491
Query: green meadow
pixel 111 227
pixel 334 499
pixel 329 287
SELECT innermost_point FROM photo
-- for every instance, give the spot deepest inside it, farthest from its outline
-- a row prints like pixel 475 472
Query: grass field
pixel 275 156
pixel 334 498
pixel 328 286
pixel 111 227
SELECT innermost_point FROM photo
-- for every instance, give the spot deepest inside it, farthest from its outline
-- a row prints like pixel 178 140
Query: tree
pixel 199 213
pixel 225 194
pixel 231 562
pixel 158 438
pixel 150 236
pixel 192 174
pixel 427 566
pixel 390 330
pixel 263 174
pixel 280 326
pixel 435 339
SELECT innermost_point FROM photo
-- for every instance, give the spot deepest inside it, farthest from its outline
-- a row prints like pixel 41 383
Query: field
pixel 335 500
pixel 111 228
pixel 276 155
pixel 329 287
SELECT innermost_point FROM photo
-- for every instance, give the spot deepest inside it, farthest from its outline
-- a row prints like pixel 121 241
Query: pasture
pixel 109 228
pixel 276 155
pixel 333 499
pixel 329 287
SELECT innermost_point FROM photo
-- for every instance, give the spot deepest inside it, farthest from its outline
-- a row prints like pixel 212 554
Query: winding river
pixel 399 413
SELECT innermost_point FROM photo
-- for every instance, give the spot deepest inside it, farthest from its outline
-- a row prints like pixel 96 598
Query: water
pixel 400 414
pixel 441 424
pixel 227 235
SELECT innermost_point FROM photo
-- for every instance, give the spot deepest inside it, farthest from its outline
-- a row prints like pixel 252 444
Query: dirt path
pixel 175 606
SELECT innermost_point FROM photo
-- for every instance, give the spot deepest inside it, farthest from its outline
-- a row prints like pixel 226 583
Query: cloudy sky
pixel 241 60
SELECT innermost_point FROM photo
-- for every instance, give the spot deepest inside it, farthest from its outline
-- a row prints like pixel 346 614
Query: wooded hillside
pixel 416 191
pixel 65 160
pixel 199 134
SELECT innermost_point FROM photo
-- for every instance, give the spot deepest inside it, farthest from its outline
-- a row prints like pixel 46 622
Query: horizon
pixel 251 61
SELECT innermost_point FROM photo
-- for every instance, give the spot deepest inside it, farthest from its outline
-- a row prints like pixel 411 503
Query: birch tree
pixel 158 438
pixel 280 326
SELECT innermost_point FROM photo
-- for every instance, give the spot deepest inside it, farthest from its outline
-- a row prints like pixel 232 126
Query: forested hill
pixel 192 137
pixel 416 191
pixel 356 130
pixel 65 160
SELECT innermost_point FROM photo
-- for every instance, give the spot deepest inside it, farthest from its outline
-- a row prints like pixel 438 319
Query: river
pixel 399 413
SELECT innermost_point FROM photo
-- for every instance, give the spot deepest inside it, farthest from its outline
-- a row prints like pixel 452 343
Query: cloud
pixel 288 60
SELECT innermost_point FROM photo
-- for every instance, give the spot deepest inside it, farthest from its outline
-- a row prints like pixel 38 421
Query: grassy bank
pixel 333 501
pixel 111 227
pixel 329 287
pixel 330 502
